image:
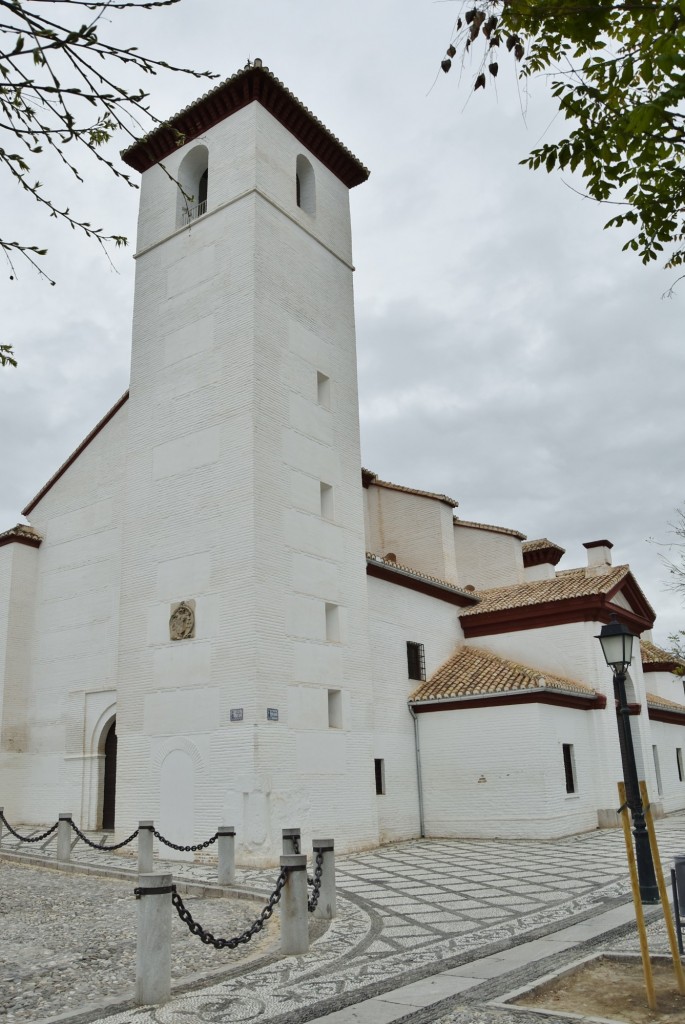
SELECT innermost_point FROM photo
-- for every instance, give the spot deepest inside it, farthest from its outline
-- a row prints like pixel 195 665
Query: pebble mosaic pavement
pixel 405 912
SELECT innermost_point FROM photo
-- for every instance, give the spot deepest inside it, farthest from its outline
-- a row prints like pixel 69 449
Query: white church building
pixel 217 617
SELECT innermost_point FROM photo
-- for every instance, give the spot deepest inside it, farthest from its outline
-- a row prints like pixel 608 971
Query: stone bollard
pixel 291 840
pixel 145 841
pixel 226 852
pixel 153 947
pixel 64 839
pixel 325 907
pixel 294 913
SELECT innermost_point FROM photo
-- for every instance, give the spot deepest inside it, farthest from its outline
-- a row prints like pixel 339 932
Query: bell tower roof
pixel 253 83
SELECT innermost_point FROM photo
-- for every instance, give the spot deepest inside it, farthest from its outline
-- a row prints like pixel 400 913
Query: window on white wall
pixel 326 491
pixel 416 660
pixel 679 762
pixel 305 185
pixel 323 390
pixel 569 767
pixel 657 768
pixel 334 709
pixel 332 623
pixel 379 769
pixel 193 184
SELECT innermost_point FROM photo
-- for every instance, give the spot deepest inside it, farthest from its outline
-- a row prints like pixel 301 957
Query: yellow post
pixel 639 914
pixel 663 892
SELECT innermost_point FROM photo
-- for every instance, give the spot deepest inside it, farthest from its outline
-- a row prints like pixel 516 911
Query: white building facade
pixel 213 619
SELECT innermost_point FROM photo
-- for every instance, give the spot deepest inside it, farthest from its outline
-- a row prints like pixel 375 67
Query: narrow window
pixel 193 182
pixel 305 185
pixel 332 623
pixel 657 769
pixel 326 501
pixel 679 762
pixel 379 769
pixel 334 709
pixel 416 661
pixel 569 767
pixel 323 390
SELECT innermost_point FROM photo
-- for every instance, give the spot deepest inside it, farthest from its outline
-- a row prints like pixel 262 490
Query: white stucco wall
pixel 499 772
pixel 73 644
pixel 416 528
pixel 486 558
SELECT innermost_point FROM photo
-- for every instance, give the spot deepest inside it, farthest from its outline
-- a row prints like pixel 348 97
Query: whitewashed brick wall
pixel 417 529
pixel 487 559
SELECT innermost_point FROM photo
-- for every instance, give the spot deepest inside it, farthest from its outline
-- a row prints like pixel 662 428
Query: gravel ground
pixel 70 940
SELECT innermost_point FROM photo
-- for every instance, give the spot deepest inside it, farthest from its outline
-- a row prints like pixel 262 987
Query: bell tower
pixel 252 705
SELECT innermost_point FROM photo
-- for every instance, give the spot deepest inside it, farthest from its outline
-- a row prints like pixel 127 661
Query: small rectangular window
pixel 323 389
pixel 334 709
pixel 657 769
pixel 332 623
pixel 379 769
pixel 326 492
pixel 416 661
pixel 679 762
pixel 569 767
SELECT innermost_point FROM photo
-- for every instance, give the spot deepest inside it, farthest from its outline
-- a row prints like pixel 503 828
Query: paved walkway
pixel 430 930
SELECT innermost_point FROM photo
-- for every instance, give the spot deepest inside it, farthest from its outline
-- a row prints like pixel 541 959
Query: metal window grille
pixel 191 213
pixel 568 767
pixel 416 660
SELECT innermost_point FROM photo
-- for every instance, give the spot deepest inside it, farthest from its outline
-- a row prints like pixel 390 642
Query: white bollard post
pixel 291 841
pixel 145 841
pixel 64 839
pixel 294 913
pixel 153 947
pixel 226 852
pixel 325 907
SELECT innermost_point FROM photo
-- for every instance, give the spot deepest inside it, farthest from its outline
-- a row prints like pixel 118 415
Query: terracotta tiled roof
pixel 567 584
pixel 541 544
pixel 369 478
pixel 488 527
pixel 472 672
pixel 407 570
pixel 655 701
pixel 253 82
pixel 21 534
pixel 653 655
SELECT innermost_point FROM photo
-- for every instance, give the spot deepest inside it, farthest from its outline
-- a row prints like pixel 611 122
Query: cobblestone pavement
pixel 406 912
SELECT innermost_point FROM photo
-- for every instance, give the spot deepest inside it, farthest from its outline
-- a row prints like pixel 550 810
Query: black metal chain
pixel 101 846
pixel 184 849
pixel 196 929
pixel 316 882
pixel 28 839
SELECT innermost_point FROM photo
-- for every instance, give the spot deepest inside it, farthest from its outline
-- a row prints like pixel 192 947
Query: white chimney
pixel 598 555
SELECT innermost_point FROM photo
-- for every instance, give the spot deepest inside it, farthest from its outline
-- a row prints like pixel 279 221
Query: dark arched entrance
pixel 109 794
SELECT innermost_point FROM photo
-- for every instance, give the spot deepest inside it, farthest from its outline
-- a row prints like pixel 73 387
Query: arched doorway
pixel 109 793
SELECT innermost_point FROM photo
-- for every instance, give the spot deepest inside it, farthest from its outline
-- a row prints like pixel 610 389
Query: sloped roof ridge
pixel 532 592
pixel 75 454
pixel 487 674
pixel 372 556
pixel 489 527
pixel 210 98
pixel 540 543
pixel 653 655
pixel 654 700
pixel 368 478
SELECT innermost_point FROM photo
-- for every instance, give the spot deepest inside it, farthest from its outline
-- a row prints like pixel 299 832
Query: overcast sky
pixel 510 354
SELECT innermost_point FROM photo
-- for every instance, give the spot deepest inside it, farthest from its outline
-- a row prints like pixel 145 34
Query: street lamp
pixel 617 647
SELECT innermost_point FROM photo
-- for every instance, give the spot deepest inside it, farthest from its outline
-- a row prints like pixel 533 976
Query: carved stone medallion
pixel 182 621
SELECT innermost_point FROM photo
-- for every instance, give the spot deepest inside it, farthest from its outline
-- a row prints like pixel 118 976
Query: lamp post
pixel 617 647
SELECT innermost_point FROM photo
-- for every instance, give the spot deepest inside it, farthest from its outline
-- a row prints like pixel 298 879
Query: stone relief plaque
pixel 182 621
